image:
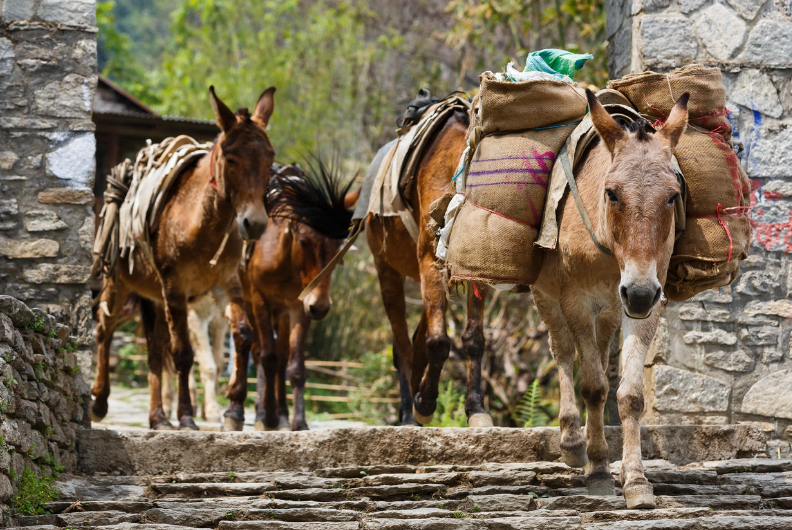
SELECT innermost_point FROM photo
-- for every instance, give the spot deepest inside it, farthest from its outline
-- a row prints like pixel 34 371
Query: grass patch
pixel 33 493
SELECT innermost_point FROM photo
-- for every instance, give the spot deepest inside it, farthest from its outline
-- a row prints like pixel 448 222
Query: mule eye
pixel 303 243
pixel 673 199
pixel 611 196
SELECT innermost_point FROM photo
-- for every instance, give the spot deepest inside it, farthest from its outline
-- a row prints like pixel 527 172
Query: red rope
pixel 476 291
pixel 720 214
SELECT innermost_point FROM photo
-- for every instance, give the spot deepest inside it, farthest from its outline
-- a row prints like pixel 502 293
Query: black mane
pixel 639 128
pixel 315 197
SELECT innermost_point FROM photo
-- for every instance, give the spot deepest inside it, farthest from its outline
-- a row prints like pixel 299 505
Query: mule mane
pixel 315 198
pixel 639 128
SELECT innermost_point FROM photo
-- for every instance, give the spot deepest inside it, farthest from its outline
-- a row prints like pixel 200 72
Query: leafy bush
pixel 33 493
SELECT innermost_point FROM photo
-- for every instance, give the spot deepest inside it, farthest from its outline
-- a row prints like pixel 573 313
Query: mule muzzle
pixel 639 299
pixel 251 227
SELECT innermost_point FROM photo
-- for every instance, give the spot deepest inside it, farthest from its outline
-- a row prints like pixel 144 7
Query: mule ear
pixel 264 106
pixel 350 199
pixel 223 116
pixel 676 123
pixel 606 126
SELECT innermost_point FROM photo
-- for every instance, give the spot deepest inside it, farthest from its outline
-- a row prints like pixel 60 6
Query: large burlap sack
pixel 712 172
pixel 654 95
pixel 509 106
pixel 505 188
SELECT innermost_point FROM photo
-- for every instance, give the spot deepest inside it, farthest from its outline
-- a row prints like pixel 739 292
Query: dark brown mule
pixel 227 186
pixel 306 230
pixel 419 362
pixel 583 294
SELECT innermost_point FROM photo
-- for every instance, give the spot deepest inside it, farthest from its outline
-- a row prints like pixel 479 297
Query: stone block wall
pixel 44 397
pixel 725 356
pixel 47 147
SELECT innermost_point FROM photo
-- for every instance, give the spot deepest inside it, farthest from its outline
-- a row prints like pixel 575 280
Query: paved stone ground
pixel 128 410
pixel 705 478
pixel 737 494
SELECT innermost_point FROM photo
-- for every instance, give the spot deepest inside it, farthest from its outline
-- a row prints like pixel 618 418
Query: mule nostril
pixel 623 293
pixel 246 224
pixel 657 295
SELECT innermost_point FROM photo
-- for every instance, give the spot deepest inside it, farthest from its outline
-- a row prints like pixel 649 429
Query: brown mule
pixel 306 230
pixel 583 294
pixel 227 186
pixel 419 362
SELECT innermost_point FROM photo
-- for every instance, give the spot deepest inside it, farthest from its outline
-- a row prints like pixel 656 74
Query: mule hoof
pixel 162 426
pixel 231 424
pixel 639 495
pixel 480 419
pixel 98 410
pixel 600 484
pixel 421 419
pixel 576 456
pixel 187 424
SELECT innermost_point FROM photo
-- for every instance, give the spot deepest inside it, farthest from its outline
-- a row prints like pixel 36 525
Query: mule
pixel 419 362
pixel 223 188
pixel 300 240
pixel 583 294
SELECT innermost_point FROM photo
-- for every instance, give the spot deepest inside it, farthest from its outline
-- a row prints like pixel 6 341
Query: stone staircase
pixel 742 492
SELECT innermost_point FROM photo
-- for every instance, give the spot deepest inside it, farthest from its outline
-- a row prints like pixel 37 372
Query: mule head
pixel 320 211
pixel 242 161
pixel 638 200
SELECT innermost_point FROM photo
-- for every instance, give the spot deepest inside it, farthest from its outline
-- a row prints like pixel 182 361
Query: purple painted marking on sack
pixel 531 170
pixel 523 183
pixel 549 155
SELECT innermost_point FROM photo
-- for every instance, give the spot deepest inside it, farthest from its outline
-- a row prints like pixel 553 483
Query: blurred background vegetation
pixel 345 70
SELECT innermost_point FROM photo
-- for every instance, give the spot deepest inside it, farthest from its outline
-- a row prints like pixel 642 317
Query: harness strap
pixel 212 180
pixel 573 189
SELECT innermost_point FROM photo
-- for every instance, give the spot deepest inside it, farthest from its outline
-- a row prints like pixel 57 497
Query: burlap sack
pixel 712 172
pixel 654 94
pixel 508 106
pixel 492 249
pixel 701 255
pixel 506 184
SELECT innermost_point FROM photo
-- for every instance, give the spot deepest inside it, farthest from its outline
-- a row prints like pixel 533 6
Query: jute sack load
pixel 509 106
pixel 718 230
pixel 654 95
pixel 712 173
pixel 493 234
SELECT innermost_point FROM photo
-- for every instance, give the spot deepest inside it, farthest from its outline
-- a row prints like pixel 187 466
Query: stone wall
pixel 44 398
pixel 724 356
pixel 47 146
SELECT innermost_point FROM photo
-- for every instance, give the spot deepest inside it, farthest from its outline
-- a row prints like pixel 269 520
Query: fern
pixel 528 413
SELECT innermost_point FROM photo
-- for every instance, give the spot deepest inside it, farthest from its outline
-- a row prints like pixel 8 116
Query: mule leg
pixel 198 322
pixel 112 297
pixel 168 386
pixel 473 349
pixel 157 345
pixel 562 346
pixel 438 345
pixel 392 288
pixel 234 417
pixel 183 357
pixel 266 418
pixel 583 324
pixel 296 367
pixel 282 347
pixel 638 335
pixel 218 329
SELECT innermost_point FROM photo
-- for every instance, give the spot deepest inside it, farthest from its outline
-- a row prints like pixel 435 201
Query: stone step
pixel 170 453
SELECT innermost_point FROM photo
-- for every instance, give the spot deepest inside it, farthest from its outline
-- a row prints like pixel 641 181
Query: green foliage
pixel 33 493
pixel 450 410
pixel 232 476
pixel 497 31
pixel 532 410
pixel 37 324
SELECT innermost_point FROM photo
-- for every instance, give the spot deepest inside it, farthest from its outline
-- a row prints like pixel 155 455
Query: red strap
pixel 476 291
pixel 212 180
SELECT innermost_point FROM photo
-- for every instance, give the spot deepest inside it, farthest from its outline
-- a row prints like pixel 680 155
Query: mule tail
pixel 106 249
